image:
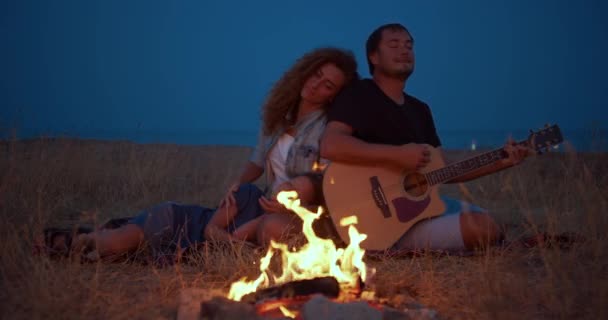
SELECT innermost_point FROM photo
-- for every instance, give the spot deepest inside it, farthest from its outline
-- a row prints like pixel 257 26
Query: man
pixel 371 122
pixel 168 226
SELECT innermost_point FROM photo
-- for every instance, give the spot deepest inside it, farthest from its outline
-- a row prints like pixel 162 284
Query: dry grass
pixel 63 182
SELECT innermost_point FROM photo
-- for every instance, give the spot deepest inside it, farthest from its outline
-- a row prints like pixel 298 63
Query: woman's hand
pixel 228 200
pixel 272 206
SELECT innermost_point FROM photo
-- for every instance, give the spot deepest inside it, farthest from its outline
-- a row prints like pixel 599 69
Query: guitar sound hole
pixel 415 184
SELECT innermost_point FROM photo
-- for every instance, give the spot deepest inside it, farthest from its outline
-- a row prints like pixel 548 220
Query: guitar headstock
pixel 545 138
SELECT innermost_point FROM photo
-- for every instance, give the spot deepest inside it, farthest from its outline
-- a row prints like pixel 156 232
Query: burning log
pixel 327 286
pixel 311 308
pixel 209 304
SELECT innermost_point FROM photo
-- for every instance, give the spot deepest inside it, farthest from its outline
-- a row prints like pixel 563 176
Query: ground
pixel 64 182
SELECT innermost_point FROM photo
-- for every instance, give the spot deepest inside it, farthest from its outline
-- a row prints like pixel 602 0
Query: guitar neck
pixel 461 168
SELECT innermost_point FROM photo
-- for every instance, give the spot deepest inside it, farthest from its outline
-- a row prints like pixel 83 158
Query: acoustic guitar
pixel 388 202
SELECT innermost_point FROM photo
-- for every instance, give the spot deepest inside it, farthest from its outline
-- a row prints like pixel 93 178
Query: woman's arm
pixel 255 166
pixel 250 173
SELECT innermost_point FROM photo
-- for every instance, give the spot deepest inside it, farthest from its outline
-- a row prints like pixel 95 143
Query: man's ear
pixel 373 58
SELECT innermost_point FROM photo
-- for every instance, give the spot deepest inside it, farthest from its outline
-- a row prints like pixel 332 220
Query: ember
pixel 308 308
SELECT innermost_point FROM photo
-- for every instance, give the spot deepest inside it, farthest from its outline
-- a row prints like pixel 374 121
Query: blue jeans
pixel 171 224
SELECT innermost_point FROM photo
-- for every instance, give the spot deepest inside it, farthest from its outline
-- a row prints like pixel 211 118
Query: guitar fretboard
pixel 463 167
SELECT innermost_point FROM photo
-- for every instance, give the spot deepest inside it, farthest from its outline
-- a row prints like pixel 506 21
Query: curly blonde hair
pixel 281 106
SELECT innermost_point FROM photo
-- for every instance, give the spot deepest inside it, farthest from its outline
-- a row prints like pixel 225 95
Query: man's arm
pixel 338 144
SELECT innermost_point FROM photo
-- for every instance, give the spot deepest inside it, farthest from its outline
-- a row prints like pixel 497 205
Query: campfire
pixel 317 267
pixel 316 281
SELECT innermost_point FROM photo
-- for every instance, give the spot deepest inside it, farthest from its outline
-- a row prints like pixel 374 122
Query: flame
pixel 317 258
pixel 318 167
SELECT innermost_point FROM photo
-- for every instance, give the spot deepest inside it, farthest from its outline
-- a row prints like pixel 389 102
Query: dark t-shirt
pixel 375 118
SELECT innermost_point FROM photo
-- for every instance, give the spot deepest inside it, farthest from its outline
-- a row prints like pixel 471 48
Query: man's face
pixel 395 54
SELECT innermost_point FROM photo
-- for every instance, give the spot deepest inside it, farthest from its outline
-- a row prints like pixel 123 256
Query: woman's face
pixel 323 85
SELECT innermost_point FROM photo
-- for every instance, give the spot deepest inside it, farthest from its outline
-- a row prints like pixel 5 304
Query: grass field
pixel 62 182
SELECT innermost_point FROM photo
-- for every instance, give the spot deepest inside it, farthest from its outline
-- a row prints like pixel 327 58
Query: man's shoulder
pixel 356 88
pixel 351 104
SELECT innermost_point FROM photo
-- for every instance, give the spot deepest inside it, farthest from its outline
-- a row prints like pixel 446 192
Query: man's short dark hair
pixel 373 41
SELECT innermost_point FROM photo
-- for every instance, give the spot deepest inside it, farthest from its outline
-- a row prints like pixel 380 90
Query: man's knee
pixel 265 230
pixel 479 229
pixel 274 227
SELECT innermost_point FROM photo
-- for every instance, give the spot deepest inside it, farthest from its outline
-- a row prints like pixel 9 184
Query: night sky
pixel 175 68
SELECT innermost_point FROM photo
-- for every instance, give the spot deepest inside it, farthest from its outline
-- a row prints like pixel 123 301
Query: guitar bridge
pixel 379 197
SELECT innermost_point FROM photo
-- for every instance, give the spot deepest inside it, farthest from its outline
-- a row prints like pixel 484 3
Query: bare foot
pixel 83 245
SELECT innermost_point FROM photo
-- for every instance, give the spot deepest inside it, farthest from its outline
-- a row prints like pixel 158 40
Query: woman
pixel 293 119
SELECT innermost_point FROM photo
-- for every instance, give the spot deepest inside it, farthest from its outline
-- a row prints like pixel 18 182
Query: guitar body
pixel 387 202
